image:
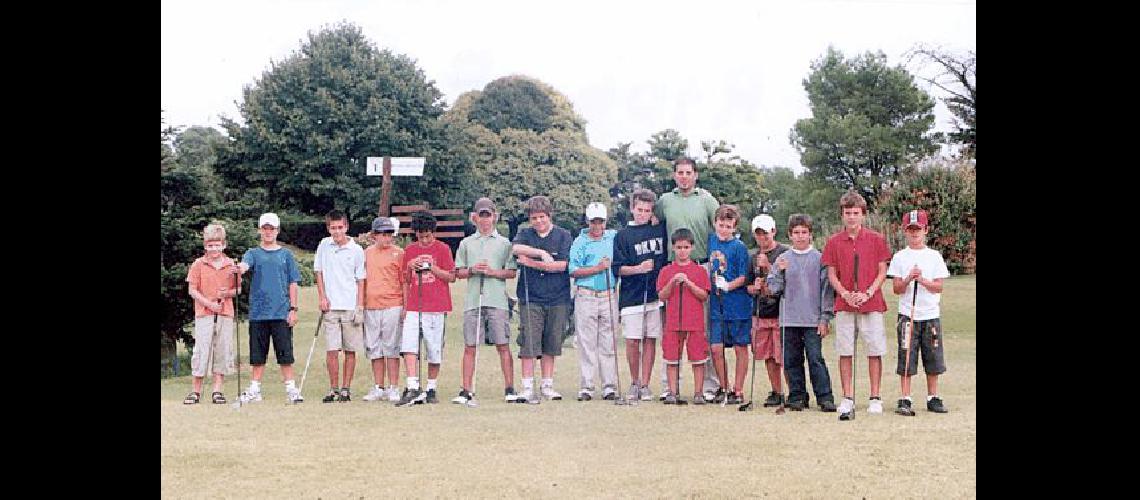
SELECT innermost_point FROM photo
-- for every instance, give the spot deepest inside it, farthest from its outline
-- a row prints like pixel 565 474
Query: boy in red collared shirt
pixel 862 305
pixel 684 285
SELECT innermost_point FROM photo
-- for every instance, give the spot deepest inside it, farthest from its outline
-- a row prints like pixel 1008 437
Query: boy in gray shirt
pixel 809 305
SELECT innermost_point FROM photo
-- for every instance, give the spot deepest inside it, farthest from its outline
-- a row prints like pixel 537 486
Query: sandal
pixel 192 398
pixel 219 398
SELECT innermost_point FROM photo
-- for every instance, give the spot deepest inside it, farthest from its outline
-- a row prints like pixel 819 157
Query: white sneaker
pixel 876 406
pixel 393 394
pixel 527 394
pixel 848 406
pixel 709 396
pixel 645 394
pixel 250 395
pixel 374 394
pixel 548 392
pixel 609 394
pixel 294 396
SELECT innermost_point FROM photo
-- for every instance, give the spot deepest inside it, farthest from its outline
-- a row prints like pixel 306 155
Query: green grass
pixel 567 448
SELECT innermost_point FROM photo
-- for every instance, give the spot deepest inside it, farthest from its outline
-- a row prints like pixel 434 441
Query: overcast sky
pixel 710 69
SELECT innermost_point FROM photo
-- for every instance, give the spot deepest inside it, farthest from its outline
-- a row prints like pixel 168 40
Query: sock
pixel 548 382
pixel 528 383
pixel 930 396
pixel 431 384
pixel 413 382
pixel 254 385
pixel 907 398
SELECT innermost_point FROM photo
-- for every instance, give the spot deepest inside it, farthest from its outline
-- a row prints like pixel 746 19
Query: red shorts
pixel 696 344
pixel 766 340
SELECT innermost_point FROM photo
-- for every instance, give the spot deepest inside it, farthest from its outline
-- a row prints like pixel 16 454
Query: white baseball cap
pixel 763 221
pixel 595 211
pixel 269 218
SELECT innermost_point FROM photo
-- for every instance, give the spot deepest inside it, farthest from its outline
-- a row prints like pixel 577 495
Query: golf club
pixel 535 397
pixel 755 313
pixel 620 401
pixel 237 338
pixel 471 403
pixel 725 387
pixel 681 335
pixel 907 338
pixel 420 342
pixel 784 390
pixel 320 321
pixel 854 351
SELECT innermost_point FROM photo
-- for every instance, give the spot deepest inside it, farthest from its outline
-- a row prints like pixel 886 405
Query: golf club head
pixel 471 403
pixel 534 401
pixel 620 401
pixel 745 407
pixel 681 402
pixel 781 410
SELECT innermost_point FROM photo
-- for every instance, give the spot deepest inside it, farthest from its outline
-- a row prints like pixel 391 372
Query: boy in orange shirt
pixel 383 305
pixel 211 283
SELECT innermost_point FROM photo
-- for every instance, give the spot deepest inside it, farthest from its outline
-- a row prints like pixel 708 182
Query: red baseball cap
pixel 915 218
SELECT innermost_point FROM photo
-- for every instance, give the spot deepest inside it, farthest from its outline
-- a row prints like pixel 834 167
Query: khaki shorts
pixel 433 335
pixel 382 332
pixel 340 333
pixel 632 325
pixel 494 326
pixel 871 331
pixel 213 346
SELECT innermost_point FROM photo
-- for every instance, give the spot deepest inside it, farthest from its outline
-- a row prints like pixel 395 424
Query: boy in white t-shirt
pixel 920 269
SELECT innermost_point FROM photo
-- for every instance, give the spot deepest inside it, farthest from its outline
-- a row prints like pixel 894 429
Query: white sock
pixel 930 396
pixel 431 384
pixel 289 384
pixel 413 382
pixel 907 398
pixel 528 383
pixel 392 387
pixel 548 382
pixel 254 385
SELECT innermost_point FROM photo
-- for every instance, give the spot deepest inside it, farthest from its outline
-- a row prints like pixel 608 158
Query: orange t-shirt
pixel 383 286
pixel 207 280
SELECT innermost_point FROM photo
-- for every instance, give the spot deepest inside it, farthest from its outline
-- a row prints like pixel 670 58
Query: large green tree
pixel 869 120
pixel 312 119
pixel 512 164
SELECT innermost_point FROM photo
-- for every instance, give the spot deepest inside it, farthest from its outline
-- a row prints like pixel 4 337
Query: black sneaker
pixel 774 399
pixel 330 397
pixel 431 397
pixel 904 408
pixel 462 398
pixel 718 396
pixel 345 395
pixel 510 396
pixel 735 398
pixel 797 404
pixel 935 405
pixel 409 397
pixel 827 406
pixel 584 395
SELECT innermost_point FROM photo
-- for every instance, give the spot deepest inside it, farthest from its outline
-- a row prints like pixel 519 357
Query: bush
pixel 947 190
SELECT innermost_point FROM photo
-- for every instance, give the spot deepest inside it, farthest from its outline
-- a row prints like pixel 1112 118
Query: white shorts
pixel 634 321
pixel 871 331
pixel 433 335
pixel 382 332
pixel 213 347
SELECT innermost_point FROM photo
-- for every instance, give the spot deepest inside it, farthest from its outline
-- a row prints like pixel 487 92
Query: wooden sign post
pixel 389 166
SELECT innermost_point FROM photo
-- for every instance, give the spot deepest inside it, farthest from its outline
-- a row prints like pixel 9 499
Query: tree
pixel 947 190
pixel 668 145
pixel 958 77
pixel 513 164
pixel 732 181
pixel 512 103
pixel 868 121
pixel 312 120
pixel 787 194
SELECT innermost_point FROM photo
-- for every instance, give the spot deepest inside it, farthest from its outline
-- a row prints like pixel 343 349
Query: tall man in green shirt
pixel 484 259
pixel 693 208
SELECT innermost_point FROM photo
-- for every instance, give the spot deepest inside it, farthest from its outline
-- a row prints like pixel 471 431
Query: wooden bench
pixel 403 214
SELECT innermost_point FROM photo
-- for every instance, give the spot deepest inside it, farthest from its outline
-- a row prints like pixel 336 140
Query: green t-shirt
pixel 496 250
pixel 694 212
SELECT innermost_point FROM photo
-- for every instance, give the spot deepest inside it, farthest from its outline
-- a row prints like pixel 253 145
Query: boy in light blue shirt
pixel 594 321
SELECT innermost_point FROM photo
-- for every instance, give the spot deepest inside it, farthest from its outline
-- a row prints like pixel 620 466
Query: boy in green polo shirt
pixel 484 258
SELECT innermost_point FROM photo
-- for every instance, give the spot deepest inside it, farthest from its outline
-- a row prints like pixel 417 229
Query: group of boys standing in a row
pixel 682 270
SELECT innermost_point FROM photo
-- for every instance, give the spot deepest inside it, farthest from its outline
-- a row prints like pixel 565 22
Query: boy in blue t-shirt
pixel 730 308
pixel 272 307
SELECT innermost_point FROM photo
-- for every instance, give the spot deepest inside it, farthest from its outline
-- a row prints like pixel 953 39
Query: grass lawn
pixel 567 448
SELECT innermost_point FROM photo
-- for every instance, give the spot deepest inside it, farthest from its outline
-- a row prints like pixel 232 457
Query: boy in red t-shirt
pixel 427 260
pixel 684 285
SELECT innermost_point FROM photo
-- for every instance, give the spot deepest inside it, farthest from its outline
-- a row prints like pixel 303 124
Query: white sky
pixel 712 70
